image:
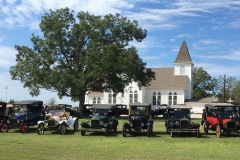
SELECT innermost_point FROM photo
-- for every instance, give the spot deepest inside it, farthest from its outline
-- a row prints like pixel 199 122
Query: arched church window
pixel 131 97
pixel 159 98
pixel 175 98
pixel 94 100
pixel 98 100
pixel 170 99
pixel 154 99
pixel 182 70
pixel 135 97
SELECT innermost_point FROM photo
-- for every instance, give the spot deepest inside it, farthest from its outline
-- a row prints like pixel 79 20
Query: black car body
pixel 139 119
pixel 24 114
pixel 3 117
pixel 179 120
pixel 103 119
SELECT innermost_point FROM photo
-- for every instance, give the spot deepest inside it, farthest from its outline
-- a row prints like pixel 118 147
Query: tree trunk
pixel 81 102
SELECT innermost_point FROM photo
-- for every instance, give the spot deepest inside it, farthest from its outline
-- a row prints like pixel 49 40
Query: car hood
pixel 100 117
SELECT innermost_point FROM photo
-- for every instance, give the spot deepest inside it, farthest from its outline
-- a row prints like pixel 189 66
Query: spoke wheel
pixel 4 127
pixel 205 127
pixel 24 127
pixel 107 131
pixel 124 132
pixel 40 129
pixel 171 133
pixel 76 125
pixel 218 131
pixel 62 129
pixel 83 132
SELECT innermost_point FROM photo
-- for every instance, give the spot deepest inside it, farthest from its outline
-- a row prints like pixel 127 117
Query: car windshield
pixel 181 113
pixel 223 111
pixel 99 111
pixel 20 108
pixel 138 110
pixel 56 109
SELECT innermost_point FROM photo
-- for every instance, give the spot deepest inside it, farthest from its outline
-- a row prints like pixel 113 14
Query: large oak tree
pixel 81 54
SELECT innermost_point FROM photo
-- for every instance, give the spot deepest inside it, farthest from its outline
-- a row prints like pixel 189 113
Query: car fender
pixel 151 121
pixel 40 122
pixel 63 122
pixel 166 123
pixel 149 124
pixel 115 122
pixel 106 125
pixel 197 125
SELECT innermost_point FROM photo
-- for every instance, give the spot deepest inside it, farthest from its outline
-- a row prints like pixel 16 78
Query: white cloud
pixel 7 56
pixel 172 40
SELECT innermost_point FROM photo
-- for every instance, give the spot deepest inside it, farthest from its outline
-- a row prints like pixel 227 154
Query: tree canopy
pixel 203 83
pixel 80 54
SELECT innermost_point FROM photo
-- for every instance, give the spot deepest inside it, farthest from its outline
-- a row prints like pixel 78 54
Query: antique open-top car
pixel 57 118
pixel 24 114
pixel 139 119
pixel 179 120
pixel 221 117
pixel 103 119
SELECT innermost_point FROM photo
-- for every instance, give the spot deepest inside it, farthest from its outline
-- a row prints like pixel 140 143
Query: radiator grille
pixel 136 124
pixel 231 125
pixel 95 123
pixel 184 124
pixel 13 121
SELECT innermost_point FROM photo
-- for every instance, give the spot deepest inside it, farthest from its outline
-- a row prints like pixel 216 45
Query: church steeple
pixel 183 54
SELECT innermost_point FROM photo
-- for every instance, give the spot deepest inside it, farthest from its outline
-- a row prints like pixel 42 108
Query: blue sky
pixel 211 30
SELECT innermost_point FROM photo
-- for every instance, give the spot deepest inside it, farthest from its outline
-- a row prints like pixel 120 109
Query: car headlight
pixel 56 123
pixel 237 123
pixel 142 124
pixel 101 123
pixel 8 121
pixel 191 123
pixel 177 123
pixel 18 121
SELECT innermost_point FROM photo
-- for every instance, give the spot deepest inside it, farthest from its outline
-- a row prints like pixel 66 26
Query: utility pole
pixel 224 84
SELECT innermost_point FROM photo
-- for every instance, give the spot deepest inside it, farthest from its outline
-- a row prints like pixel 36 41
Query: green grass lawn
pixel 51 145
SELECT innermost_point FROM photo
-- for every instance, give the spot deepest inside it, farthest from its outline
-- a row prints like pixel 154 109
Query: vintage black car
pixel 3 117
pixel 103 119
pixel 139 119
pixel 179 121
pixel 222 118
pixel 25 113
pixel 160 111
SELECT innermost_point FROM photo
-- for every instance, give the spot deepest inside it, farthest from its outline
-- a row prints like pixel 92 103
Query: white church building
pixel 171 86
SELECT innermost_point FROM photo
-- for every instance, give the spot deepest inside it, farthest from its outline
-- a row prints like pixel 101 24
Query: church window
pixel 159 98
pixel 154 98
pixel 94 100
pixel 170 99
pixel 131 97
pixel 135 97
pixel 98 100
pixel 182 70
pixel 175 98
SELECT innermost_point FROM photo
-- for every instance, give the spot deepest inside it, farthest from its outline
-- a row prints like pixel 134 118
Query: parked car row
pixel 222 118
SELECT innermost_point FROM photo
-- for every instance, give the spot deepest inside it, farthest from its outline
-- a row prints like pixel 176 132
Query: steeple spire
pixel 183 54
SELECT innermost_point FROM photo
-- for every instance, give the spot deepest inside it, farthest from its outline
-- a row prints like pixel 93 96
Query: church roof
pixel 183 54
pixel 165 79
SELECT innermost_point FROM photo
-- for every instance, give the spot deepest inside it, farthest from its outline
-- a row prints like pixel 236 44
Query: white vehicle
pixel 56 118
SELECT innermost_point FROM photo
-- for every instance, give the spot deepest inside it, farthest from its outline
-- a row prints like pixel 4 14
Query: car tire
pixel 124 132
pixel 76 125
pixel 40 129
pixel 171 133
pixel 4 127
pixel 115 128
pixel 83 132
pixel 149 131
pixel 62 129
pixel 24 126
pixel 198 134
pixel 167 130
pixel 107 131
pixel 218 131
pixel 205 127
